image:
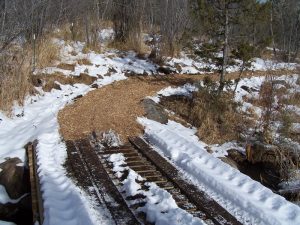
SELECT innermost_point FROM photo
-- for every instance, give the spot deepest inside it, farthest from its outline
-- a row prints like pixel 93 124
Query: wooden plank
pixel 36 197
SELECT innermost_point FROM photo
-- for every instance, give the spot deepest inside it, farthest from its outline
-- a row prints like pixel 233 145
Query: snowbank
pixel 255 203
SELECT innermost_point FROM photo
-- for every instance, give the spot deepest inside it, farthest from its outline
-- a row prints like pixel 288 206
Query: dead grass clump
pixel 66 66
pixel 215 115
pixel 132 44
pixel 294 99
pixel 84 61
pixel 68 32
pixel 47 53
pixel 179 104
pixel 95 47
pixel 15 70
pixel 52 81
pixel 170 48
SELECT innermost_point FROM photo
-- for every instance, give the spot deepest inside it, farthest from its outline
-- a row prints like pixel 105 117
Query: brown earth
pixel 117 106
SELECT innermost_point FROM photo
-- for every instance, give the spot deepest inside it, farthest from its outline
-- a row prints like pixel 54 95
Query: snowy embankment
pixel 160 207
pixel 247 199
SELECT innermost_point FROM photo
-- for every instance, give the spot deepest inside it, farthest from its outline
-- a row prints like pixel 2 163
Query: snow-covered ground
pixel 197 65
pixel 64 202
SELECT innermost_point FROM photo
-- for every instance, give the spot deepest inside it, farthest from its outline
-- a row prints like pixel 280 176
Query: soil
pixel 115 107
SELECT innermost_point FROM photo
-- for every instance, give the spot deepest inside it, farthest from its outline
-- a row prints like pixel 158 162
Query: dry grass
pixel 67 33
pixel 84 61
pixel 15 70
pixel 66 66
pixel 47 53
pixel 95 47
pixel 294 99
pixel 49 82
pixel 215 115
pixel 130 45
pixel 170 49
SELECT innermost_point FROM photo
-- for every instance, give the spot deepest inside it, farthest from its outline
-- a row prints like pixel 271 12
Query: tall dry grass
pixel 47 53
pixel 15 70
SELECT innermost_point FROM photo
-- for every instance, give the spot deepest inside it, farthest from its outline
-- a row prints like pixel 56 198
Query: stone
pixel 230 162
pixel 166 70
pixel 19 213
pixel 236 156
pixel 14 178
pixel 154 111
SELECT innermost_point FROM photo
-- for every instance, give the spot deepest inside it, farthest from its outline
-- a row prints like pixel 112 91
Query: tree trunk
pixel 87 30
pixel 272 31
pixel 225 50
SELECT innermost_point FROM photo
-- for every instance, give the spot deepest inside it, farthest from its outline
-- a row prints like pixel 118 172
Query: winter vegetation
pixel 222 77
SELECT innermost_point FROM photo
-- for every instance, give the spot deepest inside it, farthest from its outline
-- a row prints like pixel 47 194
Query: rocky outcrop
pixel 154 111
pixel 19 213
pixel 14 177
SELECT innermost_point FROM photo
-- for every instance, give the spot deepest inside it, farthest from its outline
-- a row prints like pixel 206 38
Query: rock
pixel 56 86
pixel 249 90
pixel 96 86
pixel 236 156
pixel 14 178
pixel 230 162
pixel 19 213
pixel 166 70
pixel 154 111
pixel 280 82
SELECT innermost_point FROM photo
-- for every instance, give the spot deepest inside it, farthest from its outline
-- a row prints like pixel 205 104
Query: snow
pixel 160 208
pixel 37 119
pixel 221 150
pixel 107 34
pixel 185 90
pixel 101 62
pixel 6 223
pixel 198 65
pixel 250 201
pixel 264 65
pixel 295 128
pixel 4 198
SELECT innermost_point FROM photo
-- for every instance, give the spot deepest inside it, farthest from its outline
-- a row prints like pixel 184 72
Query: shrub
pixel 215 114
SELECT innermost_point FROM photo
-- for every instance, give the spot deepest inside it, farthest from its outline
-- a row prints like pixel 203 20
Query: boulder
pixel 19 213
pixel 230 162
pixel 166 70
pixel 236 156
pixel 14 178
pixel 154 111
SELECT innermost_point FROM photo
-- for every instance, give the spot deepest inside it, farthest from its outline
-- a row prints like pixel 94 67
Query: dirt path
pixel 118 105
pixel 113 107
